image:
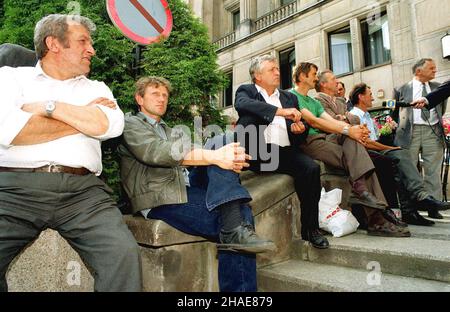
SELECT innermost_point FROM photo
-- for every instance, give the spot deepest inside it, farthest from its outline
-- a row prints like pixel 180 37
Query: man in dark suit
pixel 271 130
pixel 14 55
pixel 421 130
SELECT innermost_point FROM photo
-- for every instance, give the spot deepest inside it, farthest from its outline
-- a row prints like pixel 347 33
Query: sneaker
pixel 244 239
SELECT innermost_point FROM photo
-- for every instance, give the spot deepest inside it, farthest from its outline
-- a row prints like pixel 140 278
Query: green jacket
pixel 151 177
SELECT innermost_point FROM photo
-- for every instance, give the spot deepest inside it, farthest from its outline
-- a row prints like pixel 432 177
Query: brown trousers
pixel 345 153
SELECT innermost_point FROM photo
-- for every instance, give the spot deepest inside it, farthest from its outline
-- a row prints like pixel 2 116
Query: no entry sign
pixel 143 21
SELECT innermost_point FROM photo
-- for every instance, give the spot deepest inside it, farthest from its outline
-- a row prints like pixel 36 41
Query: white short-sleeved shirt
pixel 24 85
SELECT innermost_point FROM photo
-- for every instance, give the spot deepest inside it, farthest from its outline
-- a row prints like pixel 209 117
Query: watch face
pixel 50 107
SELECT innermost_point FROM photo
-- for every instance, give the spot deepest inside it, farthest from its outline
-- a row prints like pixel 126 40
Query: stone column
pixel 246 8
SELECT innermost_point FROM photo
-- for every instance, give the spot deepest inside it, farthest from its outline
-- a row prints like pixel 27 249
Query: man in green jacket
pixel 208 202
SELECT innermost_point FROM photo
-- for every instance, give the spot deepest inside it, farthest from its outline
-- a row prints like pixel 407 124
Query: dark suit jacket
pixel 405 115
pixel 439 95
pixel 14 55
pixel 253 110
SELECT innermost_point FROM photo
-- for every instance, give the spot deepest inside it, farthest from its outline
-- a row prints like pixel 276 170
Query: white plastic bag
pixel 332 218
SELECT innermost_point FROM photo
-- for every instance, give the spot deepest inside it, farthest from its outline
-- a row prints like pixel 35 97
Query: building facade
pixel 376 42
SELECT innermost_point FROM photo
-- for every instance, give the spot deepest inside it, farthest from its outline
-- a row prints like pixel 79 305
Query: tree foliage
pixel 186 58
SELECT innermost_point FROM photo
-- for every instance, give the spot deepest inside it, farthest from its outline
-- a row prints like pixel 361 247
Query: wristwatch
pixel 50 107
pixel 346 130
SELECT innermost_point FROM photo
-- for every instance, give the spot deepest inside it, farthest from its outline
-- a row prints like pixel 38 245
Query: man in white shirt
pixel 52 119
pixel 420 131
pixel 275 142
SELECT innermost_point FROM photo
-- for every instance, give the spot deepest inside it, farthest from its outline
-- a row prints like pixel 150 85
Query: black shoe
pixel 316 239
pixel 434 214
pixel 365 199
pixel 434 204
pixel 415 218
pixel 389 215
pixel 244 239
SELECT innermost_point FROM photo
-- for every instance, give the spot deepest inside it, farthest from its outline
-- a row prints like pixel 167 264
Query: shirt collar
pixel 264 92
pixel 39 72
pixel 152 121
pixel 358 110
pixel 417 83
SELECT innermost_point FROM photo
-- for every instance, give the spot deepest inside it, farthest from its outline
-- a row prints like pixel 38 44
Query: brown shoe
pixel 387 229
pixel 366 199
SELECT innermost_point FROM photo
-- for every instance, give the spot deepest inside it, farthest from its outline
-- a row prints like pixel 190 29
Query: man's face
pixel 330 86
pixel 269 76
pixel 154 102
pixel 428 72
pixel 367 98
pixel 311 79
pixel 340 90
pixel 77 54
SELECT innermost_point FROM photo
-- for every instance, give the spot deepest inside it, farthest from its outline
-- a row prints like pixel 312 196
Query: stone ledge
pixel 157 233
pixel 166 252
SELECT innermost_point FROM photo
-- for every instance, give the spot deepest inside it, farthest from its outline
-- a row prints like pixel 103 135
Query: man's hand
pixel 420 103
pixel 104 102
pixel 359 133
pixel 290 113
pixel 231 157
pixel 298 128
pixel 35 108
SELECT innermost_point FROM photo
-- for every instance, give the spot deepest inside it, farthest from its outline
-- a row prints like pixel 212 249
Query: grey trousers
pixel 81 209
pixel 431 146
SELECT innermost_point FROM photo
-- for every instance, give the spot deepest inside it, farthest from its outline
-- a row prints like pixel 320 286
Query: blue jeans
pixel 210 188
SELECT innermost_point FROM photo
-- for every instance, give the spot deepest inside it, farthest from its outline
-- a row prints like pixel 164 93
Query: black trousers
pixel 385 169
pixel 306 174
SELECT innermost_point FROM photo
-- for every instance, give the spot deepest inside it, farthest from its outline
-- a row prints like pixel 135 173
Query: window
pixel 236 19
pixel 287 64
pixel 285 2
pixel 227 95
pixel 341 57
pixel 375 34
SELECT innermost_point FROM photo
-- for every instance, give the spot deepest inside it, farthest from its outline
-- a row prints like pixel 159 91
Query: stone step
pixel 426 258
pixel 445 214
pixel 439 231
pixel 297 275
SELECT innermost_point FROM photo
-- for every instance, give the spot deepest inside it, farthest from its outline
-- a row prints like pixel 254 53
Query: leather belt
pixel 49 169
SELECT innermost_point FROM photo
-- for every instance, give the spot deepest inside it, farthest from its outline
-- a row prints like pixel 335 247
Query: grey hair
pixel 256 65
pixel 420 64
pixel 56 25
pixel 321 79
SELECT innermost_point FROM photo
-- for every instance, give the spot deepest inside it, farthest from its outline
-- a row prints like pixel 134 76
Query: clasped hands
pixel 231 157
pixel 297 127
pixel 359 133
